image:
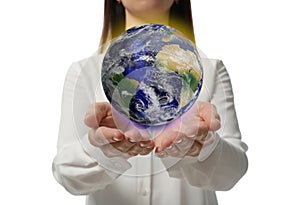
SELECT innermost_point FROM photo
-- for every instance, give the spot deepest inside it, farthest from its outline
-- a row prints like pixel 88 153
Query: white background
pixel 257 40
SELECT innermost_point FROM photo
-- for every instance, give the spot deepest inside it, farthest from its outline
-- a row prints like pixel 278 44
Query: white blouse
pixel 84 170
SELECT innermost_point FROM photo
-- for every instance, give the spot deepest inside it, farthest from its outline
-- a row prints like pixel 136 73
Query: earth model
pixel 151 74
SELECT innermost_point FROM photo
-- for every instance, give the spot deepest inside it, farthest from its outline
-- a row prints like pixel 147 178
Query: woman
pixel 112 162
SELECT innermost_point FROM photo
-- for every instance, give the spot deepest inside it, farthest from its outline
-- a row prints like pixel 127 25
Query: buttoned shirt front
pixel 144 180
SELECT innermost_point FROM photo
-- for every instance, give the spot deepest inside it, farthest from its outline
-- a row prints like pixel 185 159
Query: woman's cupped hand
pixel 117 136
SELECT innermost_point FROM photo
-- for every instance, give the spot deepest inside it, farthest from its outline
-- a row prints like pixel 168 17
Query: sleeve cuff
pixel 177 169
pixel 114 166
pixel 209 145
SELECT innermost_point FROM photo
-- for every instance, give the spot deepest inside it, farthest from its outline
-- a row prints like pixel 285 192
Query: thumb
pixel 209 116
pixel 96 112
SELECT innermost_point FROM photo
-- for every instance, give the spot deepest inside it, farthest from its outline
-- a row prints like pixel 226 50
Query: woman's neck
pixel 132 20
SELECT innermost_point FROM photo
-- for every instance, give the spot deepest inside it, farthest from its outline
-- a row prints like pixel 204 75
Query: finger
pixel 106 135
pixel 164 140
pixel 166 137
pixel 137 135
pixel 174 151
pixel 109 151
pixel 184 144
pixel 148 144
pixel 195 149
pixel 124 146
pixel 201 133
pixel 214 125
pixel 145 149
pixel 108 121
pixel 209 115
pixel 97 138
pixel 134 138
pixel 161 154
pixel 96 113
pixel 208 139
pixel 91 138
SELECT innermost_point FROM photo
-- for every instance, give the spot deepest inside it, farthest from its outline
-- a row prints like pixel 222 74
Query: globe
pixel 151 74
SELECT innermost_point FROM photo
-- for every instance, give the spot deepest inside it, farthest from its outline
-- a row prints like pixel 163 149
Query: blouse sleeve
pixel 222 160
pixel 75 165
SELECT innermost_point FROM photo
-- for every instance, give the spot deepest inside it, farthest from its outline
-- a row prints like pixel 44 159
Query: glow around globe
pixel 152 74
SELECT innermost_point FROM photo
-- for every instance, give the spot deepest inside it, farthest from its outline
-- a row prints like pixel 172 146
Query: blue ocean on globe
pixel 152 74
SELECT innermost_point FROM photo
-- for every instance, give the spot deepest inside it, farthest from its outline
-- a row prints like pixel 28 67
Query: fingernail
pixel 143 144
pixel 161 154
pixel 170 147
pixel 192 136
pixel 116 139
pixel 159 149
pixel 178 141
pixel 150 146
pixel 131 140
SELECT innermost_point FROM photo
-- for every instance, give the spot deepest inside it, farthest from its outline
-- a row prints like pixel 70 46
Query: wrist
pixel 209 144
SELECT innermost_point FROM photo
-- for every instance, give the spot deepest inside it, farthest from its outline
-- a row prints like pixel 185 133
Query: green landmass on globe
pixel 152 74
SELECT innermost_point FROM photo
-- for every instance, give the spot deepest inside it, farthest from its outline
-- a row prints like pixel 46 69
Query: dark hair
pixel 114 20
